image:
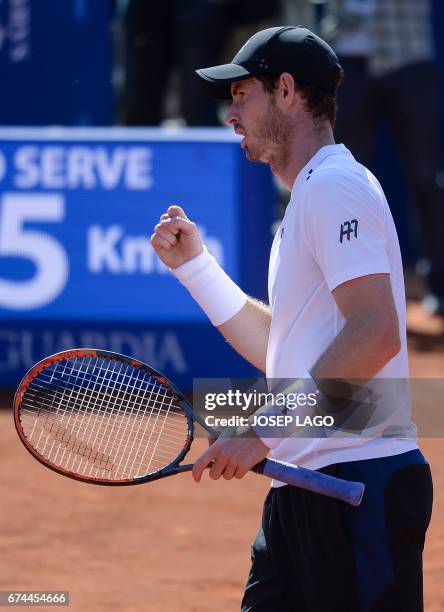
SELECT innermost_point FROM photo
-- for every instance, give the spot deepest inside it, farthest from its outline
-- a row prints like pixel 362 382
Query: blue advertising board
pixel 77 207
pixel 56 62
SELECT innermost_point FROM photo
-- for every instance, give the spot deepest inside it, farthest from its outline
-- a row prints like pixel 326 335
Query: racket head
pixel 74 409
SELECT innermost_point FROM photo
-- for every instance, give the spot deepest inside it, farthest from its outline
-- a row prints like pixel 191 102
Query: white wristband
pixel 218 296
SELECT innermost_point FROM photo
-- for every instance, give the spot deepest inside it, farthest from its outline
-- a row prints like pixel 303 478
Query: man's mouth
pixel 243 142
pixel 241 132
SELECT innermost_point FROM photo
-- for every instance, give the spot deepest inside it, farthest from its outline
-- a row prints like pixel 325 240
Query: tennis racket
pixel 108 419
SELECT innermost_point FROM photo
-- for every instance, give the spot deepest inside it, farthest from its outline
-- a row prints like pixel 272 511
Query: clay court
pixel 170 545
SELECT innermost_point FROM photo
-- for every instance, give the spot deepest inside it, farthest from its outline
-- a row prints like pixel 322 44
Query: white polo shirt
pixel 337 227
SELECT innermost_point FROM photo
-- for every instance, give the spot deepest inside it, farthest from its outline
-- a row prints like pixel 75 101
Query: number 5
pixel 45 252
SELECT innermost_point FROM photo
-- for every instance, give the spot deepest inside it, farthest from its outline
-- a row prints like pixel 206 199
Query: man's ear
pixel 287 87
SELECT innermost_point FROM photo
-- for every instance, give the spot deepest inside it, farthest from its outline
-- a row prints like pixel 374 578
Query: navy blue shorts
pixel 315 554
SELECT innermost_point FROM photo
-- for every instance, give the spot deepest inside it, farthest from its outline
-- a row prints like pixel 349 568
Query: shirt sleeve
pixel 344 227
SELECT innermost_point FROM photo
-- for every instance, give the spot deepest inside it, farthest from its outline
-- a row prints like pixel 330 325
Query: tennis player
pixel 337 311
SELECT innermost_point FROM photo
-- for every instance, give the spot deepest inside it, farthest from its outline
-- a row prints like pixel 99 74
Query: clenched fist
pixel 175 238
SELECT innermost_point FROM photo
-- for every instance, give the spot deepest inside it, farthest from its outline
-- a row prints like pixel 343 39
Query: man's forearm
pixel 248 331
pixel 242 320
pixel 359 351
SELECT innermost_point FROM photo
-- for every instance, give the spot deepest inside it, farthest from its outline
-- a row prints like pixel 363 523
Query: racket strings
pixel 103 418
pixel 92 431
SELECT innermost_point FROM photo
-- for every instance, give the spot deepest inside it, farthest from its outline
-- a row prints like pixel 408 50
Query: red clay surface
pixel 168 546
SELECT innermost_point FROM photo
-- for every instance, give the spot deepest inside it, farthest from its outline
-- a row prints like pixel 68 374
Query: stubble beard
pixel 271 140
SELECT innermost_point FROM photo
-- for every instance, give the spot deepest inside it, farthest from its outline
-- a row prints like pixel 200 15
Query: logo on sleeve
pixel 348 228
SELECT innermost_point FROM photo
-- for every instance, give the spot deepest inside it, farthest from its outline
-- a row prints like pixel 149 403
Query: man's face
pixel 255 115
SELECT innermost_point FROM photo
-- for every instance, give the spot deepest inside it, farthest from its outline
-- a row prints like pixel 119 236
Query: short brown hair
pixel 318 102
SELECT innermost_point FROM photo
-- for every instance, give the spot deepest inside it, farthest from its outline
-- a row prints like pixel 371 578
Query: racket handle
pixel 344 490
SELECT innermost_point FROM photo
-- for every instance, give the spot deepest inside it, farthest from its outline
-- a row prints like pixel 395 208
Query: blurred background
pixel 102 126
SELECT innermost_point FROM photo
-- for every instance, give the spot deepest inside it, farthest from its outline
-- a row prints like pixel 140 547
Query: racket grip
pixel 317 482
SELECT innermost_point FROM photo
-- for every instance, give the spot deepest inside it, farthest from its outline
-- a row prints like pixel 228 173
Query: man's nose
pixel 232 117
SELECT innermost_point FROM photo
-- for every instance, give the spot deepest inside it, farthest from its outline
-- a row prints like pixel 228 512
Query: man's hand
pixel 176 239
pixel 230 457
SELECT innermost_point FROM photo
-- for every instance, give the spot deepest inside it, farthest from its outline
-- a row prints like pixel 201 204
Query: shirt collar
pixel 318 157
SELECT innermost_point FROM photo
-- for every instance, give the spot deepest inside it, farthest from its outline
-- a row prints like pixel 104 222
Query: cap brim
pixel 217 80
